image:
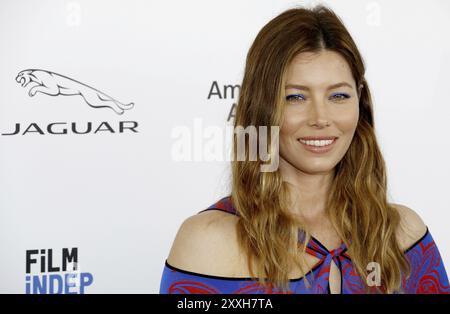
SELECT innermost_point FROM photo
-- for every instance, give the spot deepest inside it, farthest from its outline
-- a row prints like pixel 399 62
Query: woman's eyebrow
pixel 303 87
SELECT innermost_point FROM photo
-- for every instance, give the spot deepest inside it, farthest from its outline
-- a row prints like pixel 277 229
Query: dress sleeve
pixel 174 281
pixel 428 275
pixel 178 281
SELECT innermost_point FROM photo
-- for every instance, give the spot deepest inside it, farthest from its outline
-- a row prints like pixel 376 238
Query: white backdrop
pixel 120 197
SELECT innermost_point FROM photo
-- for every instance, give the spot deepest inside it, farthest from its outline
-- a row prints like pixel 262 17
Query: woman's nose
pixel 318 115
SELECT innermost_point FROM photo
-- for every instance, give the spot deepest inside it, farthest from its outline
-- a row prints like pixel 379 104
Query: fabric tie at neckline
pixel 317 249
pixel 325 256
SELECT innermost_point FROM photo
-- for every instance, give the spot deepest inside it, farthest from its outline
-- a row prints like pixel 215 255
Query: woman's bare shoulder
pixel 412 227
pixel 206 243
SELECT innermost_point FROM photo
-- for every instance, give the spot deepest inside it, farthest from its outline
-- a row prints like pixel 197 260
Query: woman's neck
pixel 309 191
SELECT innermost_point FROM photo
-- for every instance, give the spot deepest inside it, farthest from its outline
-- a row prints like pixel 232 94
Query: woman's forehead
pixel 318 69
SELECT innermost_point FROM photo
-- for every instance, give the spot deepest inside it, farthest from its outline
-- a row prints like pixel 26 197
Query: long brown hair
pixel 357 203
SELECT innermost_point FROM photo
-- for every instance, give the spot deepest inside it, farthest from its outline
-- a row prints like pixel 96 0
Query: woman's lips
pixel 319 149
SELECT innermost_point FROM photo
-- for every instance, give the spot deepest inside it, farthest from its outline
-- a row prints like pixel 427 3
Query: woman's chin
pixel 316 166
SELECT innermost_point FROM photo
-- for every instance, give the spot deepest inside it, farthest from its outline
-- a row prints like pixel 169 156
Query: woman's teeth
pixel 317 143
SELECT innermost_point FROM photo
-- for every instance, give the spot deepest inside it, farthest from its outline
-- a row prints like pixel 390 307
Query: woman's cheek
pixel 347 120
pixel 291 123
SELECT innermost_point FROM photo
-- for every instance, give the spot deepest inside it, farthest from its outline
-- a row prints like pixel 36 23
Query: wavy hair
pixel 357 203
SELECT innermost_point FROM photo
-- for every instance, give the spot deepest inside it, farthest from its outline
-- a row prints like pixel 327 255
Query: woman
pixel 321 222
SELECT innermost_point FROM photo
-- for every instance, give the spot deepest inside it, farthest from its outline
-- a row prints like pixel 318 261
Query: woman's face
pixel 321 102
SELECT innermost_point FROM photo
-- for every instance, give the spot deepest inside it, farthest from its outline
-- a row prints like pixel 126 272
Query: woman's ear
pixel 360 87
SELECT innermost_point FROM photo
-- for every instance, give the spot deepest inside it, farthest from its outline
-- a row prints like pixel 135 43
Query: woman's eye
pixel 301 97
pixel 340 96
pixel 296 97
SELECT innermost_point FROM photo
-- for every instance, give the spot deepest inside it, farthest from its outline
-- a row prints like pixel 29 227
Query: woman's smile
pixel 318 146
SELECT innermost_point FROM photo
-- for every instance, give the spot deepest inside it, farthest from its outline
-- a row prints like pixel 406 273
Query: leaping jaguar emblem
pixel 55 84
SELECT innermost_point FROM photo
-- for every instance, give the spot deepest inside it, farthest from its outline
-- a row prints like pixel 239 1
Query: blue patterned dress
pixel 428 274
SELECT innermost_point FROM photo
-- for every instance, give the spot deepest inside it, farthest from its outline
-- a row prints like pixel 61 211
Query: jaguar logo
pixel 54 84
